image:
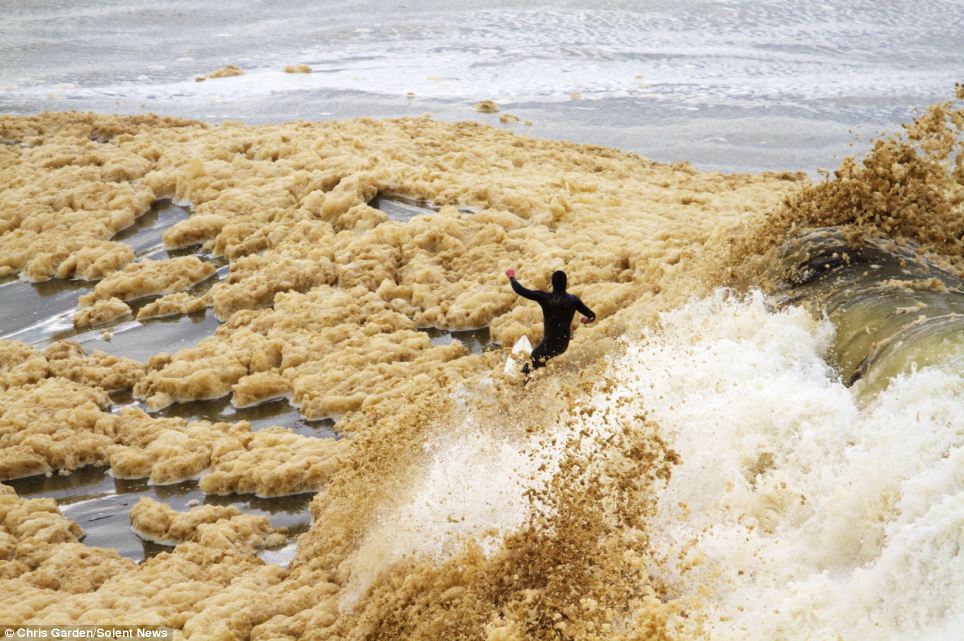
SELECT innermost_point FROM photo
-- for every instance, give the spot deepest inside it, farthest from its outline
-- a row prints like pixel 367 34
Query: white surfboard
pixel 520 350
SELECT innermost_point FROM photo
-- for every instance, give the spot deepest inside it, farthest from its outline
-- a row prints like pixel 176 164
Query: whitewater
pixel 799 511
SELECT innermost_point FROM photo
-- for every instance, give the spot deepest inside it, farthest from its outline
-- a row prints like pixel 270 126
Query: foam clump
pixel 172 305
pixel 487 107
pixel 52 579
pixel 68 360
pixel 21 365
pixel 100 312
pixel 274 462
pixel 196 230
pixel 79 259
pixel 228 457
pixel 71 431
pixel 208 370
pixel 52 425
pixel 332 350
pixel 54 418
pixel 165 450
pixel 211 525
pixel 259 387
pixel 226 71
pixel 299 68
pixel 61 226
pixel 149 278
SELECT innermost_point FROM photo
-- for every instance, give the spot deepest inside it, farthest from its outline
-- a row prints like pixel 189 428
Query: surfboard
pixel 520 352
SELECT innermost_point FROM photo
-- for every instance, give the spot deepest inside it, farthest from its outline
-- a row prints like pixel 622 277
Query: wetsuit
pixel 558 308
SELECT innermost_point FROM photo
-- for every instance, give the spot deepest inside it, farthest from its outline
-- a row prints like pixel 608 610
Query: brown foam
pixel 325 297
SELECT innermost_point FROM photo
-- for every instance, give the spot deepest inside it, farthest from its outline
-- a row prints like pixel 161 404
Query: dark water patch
pixel 29 312
pixel 403 209
pixel 223 268
pixel 893 309
pixel 820 262
pixel 146 234
pixel 121 397
pixel 101 505
pixel 189 250
pixel 268 414
pixel 94 481
pixel 476 341
pixel 140 341
pixel 868 323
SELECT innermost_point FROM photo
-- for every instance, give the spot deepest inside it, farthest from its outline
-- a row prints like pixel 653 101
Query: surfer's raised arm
pixel 531 294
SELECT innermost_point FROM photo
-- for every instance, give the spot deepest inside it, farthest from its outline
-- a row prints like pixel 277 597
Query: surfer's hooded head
pixel 559 282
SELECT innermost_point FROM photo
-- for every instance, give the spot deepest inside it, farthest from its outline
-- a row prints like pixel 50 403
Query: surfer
pixel 558 308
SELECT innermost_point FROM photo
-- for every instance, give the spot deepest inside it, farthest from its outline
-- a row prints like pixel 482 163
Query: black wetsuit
pixel 558 308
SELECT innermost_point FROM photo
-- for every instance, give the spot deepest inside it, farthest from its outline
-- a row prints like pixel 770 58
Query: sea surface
pixel 728 85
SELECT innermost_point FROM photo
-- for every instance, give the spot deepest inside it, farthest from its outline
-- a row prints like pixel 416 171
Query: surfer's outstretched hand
pixel 510 273
pixel 585 320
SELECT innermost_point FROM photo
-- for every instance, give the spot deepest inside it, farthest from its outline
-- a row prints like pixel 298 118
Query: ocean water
pixel 729 85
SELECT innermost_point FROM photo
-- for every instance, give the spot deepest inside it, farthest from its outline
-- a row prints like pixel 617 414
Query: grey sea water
pixel 731 85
